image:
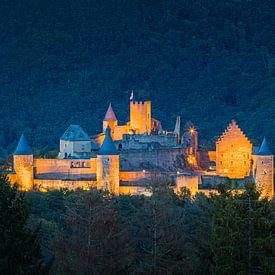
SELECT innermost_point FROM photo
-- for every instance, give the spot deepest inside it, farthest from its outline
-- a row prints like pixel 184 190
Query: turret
pixel 108 165
pixel 263 163
pixel 110 120
pixel 23 165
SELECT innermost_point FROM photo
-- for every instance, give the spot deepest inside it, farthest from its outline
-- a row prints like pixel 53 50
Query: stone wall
pixel 263 172
pixel 163 159
pixel 147 141
pixel 205 157
pixel 47 184
pixel 23 166
pixel 190 182
pixel 67 166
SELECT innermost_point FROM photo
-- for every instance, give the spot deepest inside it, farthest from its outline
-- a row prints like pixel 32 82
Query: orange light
pixel 191 130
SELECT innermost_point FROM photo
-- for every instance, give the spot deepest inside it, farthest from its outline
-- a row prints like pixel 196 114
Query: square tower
pixel 140 117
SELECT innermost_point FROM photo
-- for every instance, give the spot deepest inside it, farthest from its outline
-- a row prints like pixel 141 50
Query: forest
pixel 62 62
pixel 93 232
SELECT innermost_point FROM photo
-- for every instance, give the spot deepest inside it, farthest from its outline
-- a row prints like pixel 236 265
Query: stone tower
pixel 110 120
pixel 233 153
pixel 263 172
pixel 108 165
pixel 140 117
pixel 23 165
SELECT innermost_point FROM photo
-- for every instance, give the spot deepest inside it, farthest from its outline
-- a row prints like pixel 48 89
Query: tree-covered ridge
pixel 62 62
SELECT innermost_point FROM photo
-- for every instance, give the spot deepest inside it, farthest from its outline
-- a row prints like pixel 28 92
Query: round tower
pixel 23 165
pixel 108 165
pixel 110 120
pixel 263 170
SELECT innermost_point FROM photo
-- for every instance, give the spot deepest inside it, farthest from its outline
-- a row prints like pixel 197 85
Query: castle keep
pixel 127 159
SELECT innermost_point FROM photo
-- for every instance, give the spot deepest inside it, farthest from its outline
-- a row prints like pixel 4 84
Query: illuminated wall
pixel 108 173
pixel 140 117
pixel 190 182
pixel 23 166
pixel 233 153
pixel 70 166
pixel 49 184
pixel 112 125
pixel 263 172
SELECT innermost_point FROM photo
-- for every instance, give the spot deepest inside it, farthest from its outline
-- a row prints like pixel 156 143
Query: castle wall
pixel 108 173
pixel 132 175
pixel 69 166
pixel 23 166
pixel 233 153
pixel 119 131
pixel 163 159
pixel 145 141
pixel 263 172
pixel 140 117
pixel 51 184
pixel 205 157
pixel 190 182
pixel 134 190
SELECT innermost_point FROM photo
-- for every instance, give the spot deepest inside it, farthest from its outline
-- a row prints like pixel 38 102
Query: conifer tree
pixel 241 232
pixel 20 250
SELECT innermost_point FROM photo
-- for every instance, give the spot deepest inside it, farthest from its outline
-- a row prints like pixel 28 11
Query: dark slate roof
pixel 264 149
pixel 110 115
pixel 75 133
pixel 23 148
pixel 108 147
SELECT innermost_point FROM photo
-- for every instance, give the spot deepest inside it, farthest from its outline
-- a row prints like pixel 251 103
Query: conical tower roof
pixel 108 147
pixel 23 148
pixel 110 115
pixel 264 149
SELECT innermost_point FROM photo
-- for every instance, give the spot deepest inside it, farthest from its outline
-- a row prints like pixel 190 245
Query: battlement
pixel 140 102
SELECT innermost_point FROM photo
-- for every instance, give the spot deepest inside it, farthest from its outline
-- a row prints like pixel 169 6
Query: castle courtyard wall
pixel 65 166
pixel 163 159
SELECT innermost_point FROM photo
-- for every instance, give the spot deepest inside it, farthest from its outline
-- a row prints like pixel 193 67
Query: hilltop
pixel 62 62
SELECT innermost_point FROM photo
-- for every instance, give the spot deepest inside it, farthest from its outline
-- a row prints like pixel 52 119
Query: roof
pixel 108 147
pixel 75 133
pixel 23 148
pixel 110 115
pixel 264 149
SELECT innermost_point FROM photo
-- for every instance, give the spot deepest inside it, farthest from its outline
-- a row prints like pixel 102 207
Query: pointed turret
pixel 108 165
pixel 264 149
pixel 23 165
pixel 23 148
pixel 110 115
pixel 108 147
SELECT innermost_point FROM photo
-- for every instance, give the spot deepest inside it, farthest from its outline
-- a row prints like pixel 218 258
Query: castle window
pixel 262 162
pixel 246 173
pixel 244 162
pixel 225 170
pixel 231 162
pixel 220 162
pixel 231 155
pixel 265 172
pixel 232 145
pixel 83 147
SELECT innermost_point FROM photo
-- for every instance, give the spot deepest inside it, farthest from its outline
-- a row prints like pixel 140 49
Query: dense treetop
pixel 62 62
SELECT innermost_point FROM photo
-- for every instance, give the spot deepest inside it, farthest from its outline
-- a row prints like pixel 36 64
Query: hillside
pixel 62 62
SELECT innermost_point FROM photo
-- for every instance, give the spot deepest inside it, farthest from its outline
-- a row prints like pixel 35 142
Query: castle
pixel 127 159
